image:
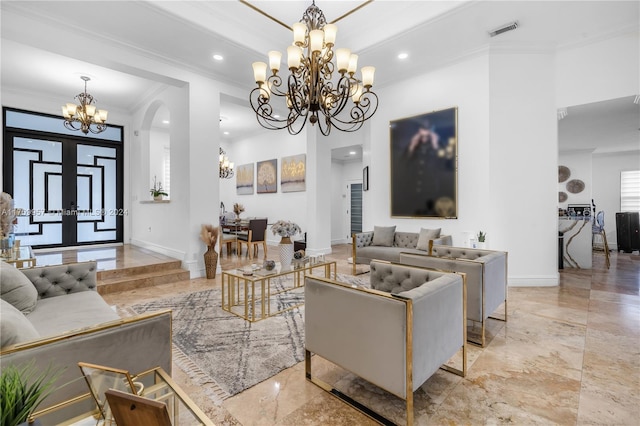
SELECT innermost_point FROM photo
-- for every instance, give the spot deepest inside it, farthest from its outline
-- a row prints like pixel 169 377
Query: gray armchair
pixel 486 279
pixel 395 337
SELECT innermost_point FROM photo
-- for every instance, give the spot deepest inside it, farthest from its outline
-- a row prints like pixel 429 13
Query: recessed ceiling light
pixel 403 55
pixel 276 116
pixel 352 153
pixel 226 133
pixel 165 121
pixel 218 57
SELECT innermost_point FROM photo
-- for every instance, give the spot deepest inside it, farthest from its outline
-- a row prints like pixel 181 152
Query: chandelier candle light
pixel 310 91
pixel 226 168
pixel 84 117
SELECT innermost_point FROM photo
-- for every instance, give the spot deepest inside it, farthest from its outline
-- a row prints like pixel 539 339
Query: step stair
pixel 135 277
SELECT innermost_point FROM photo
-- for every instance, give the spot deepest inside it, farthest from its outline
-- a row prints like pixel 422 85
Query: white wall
pixel 277 206
pixel 523 164
pixel 465 86
pixel 506 113
pixel 579 164
pixel 606 186
pixel 607 69
pixel 596 72
pixel 161 227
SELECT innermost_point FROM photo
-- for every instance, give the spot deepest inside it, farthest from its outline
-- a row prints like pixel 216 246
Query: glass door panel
pixel 37 189
pixel 96 193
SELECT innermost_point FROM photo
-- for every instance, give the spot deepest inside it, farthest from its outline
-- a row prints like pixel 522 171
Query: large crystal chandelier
pixel 310 91
pixel 226 168
pixel 84 117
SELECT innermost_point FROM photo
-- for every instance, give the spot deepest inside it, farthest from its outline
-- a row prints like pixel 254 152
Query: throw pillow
pixel 383 236
pixel 425 236
pixel 14 327
pixel 16 288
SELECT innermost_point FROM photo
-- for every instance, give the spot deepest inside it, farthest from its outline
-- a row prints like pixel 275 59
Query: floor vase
pixel 286 252
pixel 210 262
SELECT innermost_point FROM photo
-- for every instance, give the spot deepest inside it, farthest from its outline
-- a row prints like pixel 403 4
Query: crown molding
pixel 602 36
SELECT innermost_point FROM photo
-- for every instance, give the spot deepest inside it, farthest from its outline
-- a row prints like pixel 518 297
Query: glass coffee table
pixel 256 294
pixel 158 386
pixel 21 256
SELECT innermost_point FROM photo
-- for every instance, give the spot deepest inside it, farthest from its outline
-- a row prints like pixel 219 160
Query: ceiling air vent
pixel 504 28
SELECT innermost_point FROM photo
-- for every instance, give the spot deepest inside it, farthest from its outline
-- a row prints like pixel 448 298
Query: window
pixel 166 162
pixel 630 191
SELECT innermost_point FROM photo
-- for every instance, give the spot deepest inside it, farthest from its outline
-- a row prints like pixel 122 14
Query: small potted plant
pixel 157 192
pixel 23 388
pixel 481 239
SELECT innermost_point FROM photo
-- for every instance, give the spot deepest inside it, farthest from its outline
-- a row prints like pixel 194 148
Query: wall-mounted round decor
pixel 575 186
pixel 563 173
pixel 562 197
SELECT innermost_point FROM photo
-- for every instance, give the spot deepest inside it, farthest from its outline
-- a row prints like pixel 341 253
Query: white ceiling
pixel 42 40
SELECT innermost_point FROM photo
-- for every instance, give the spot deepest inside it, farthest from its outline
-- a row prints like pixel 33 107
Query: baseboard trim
pixel 167 251
pixel 534 281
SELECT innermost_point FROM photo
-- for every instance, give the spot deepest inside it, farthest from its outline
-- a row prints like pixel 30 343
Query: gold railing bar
pixel 352 11
pixel 260 11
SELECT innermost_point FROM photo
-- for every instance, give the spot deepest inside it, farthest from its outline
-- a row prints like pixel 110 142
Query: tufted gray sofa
pixel 70 322
pixel 363 251
pixel 486 272
pixel 395 335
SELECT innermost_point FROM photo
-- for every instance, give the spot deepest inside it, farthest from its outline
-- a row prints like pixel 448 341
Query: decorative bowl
pixel 269 265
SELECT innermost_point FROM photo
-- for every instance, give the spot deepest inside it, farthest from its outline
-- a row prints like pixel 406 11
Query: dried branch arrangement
pixel 209 235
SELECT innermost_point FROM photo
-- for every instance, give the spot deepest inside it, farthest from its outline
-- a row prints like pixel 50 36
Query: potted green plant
pixel 157 192
pixel 481 239
pixel 23 388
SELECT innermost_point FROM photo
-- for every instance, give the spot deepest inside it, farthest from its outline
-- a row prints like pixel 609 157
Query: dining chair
pixel 229 240
pixel 254 237
pixel 597 230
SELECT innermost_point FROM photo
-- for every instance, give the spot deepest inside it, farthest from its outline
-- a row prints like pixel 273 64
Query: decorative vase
pixel 157 197
pixel 286 252
pixel 210 262
pixel 481 245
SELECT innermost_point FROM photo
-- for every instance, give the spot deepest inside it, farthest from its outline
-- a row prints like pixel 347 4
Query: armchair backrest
pixel 257 229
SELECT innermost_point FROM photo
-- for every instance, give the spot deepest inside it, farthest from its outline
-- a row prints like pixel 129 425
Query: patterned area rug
pixel 227 354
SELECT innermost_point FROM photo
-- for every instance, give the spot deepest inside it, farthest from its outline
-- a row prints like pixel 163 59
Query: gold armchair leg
pixel 350 401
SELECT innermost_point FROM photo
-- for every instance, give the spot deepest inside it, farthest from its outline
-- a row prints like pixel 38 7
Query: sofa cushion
pixel 14 326
pixel 406 239
pixel 383 235
pixel 427 235
pixel 399 278
pixel 16 289
pixel 82 309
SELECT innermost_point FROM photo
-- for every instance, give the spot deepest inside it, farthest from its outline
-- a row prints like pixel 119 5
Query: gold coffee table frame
pixel 249 291
pixel 23 255
pixel 158 386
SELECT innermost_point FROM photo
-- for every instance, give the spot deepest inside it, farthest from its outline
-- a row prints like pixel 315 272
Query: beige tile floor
pixel 568 355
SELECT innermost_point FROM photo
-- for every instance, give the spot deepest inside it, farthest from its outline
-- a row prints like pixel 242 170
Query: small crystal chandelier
pixel 309 92
pixel 85 116
pixel 226 168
